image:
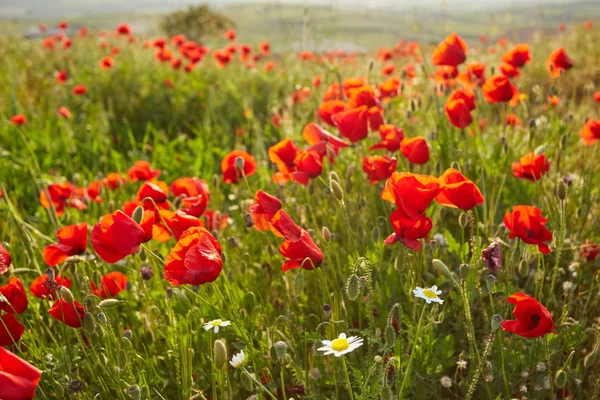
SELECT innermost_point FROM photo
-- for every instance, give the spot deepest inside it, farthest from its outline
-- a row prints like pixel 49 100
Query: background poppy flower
pixel 18 119
pixel 195 205
pixel 458 191
pixel 558 62
pixel 328 108
pixel 231 173
pixel 195 259
pixel 72 240
pixel 589 250
pixel 116 236
pixel 353 123
pixel 67 313
pixel 451 51
pixel 43 288
pixel 391 137
pixel 142 171
pixel 59 194
pixel 527 223
pixel 531 167
pixel 79 90
pixel 498 89
pixel 314 134
pixel 107 63
pixel 379 168
pixel 415 150
pixel 111 285
pixel 590 132
pixel 518 56
pixel 412 193
pixel 458 113
pixel 18 378
pixel 4 259
pixel 156 191
pixel 533 319
pixel 11 331
pixel 114 180
pixel 15 298
pixel 64 112
pixel 407 230
pixel 283 154
pixel 298 245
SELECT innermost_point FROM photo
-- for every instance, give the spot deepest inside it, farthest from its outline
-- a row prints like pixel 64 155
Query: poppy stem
pixel 550 369
pixel 486 354
pixel 348 382
pixel 412 352
pixel 260 385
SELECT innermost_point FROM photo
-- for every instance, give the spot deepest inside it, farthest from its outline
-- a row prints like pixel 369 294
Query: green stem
pixel 282 383
pixel 412 353
pixel 348 382
pixel 260 385
pixel 486 354
pixel 550 368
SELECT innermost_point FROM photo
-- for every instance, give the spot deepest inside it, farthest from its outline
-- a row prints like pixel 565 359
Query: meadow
pixel 233 222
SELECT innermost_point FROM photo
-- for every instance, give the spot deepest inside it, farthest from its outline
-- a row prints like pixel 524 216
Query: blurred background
pixel 318 25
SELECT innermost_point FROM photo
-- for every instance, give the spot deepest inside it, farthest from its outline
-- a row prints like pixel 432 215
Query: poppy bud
pixel 496 322
pixel 438 264
pixel 352 287
pixel 280 349
pixel 298 282
pixel 540 150
pixel 111 206
pixel 493 70
pixel 50 274
pixel 532 124
pixel 169 293
pixel 58 390
pixel 134 392
pixel 561 190
pixel 231 241
pixel 490 282
pixel 220 353
pixel 239 163
pixel 101 318
pixel 122 359
pixel 108 303
pixel 327 236
pixel 247 381
pixel 386 393
pixel 463 220
pixel 127 333
pixel 455 165
pixel 248 221
pixel 413 105
pixel 464 270
pixel 378 359
pixel 333 176
pixel 142 254
pixel 66 294
pixel 390 336
pixel 146 272
pixel 336 189
pixel 76 386
pixel 327 310
pixel 89 325
pixel 138 214
pixel 560 379
pixel 524 268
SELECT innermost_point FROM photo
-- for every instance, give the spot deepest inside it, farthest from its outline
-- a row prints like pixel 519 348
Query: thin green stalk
pixel 486 354
pixel 412 353
pixel 348 382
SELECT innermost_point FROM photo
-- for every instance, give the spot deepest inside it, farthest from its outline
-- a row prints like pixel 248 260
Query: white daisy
pixel 341 345
pixel 429 295
pixel 215 325
pixel 238 360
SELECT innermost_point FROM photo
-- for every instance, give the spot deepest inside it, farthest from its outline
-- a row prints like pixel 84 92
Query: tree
pixel 195 23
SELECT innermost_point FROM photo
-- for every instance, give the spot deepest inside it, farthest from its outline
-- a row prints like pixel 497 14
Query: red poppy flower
pixel 589 250
pixel 232 173
pixel 558 62
pixel 18 119
pixel 72 240
pixel 154 227
pixel 362 96
pixel 107 63
pixel 553 100
pixel 64 112
pixel 379 168
pixel 458 112
pixel 512 120
pixel 588 25
pixel 59 193
pixel 179 221
pixel 116 236
pixel 527 223
pixel 533 319
pixel 452 51
pixel 328 108
pixel 195 259
pixel 391 137
pixel 15 297
pixel 61 76
pixel 263 209
pixel 518 56
pixel 18 378
pixel 458 191
pixel 42 288
pixel 114 180
pixel 79 90
pixel 590 132
pixel 230 35
pixel 67 313
pixel 498 89
pixel 408 230
pixel 142 171
pixel 389 88
pixel 314 134
pixel 222 58
pixel 353 123
pixel 388 69
pixel 375 118
pixel 411 192
pixel 298 245
pixel 42 27
pixel 112 284
pixel 123 29
pixel 265 48
pixel 11 331
pixel 283 154
pixel 215 221
pixel 531 167
pixel 309 164
pixel 156 191
pixel 415 150
pixel 4 259
pixel 63 25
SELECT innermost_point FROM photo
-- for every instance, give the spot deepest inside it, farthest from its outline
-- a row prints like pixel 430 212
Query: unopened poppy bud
pixel 493 70
pixel 122 359
pixel 111 206
pixel 142 254
pixel 127 333
pixel 232 242
pixel 135 392
pixel 378 359
pixel 532 123
pixel 353 287
pixel 390 336
pixel 386 393
pixel 490 282
pixel 326 233
pixel 280 349
pixel 102 318
pixel 540 150
pixel 89 325
pixel 66 294
pixel 455 165
pixel 336 189
pixel 239 163
pixel 462 219
pixel 58 390
pixel 146 272
pixel 327 310
pixel 413 105
pixel 248 221
pixel 298 282
pixel 560 379
pixel 50 274
pixel 247 381
pixel 220 351
pixel 496 322
pixel 169 293
pixel 333 176
pixel 524 268
pixel 561 191
pixel 138 214
pixel 464 270
pixel 440 266
pixel 214 180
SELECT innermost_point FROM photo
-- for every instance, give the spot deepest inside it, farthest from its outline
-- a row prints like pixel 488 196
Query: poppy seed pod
pixel 50 274
pixel 280 349
pixel 146 272
pixel 327 310
pixel 220 353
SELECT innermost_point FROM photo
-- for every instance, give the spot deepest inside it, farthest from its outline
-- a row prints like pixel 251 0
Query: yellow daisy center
pixel 430 293
pixel 340 344
pixel 216 323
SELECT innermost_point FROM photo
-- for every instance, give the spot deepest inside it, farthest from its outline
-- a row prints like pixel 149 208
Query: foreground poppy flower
pixel 195 259
pixel 4 259
pixel 391 137
pixel 415 150
pixel 353 123
pixel 18 119
pixel 531 167
pixel 527 223
pixel 518 56
pixel 43 288
pixel 533 319
pixel 67 313
pixel 298 246
pixel 590 132
pixel 314 134
pixel 236 165
pixel 558 62
pixel 283 154
pixel 328 108
pixel 142 171
pixel 452 51
pixel 408 230
pixel 11 332
pixel 498 89
pixel 379 168
pixel 412 193
pixel 458 191
pixel 458 112
pixel 116 236
pixel 112 284
pixel 72 240
pixel 154 227
pixel 263 209
pixel 15 298
pixel 18 378
pixel 178 222
pixel 389 89
pixel 59 194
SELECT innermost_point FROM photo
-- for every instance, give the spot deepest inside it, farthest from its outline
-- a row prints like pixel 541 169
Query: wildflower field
pixel 180 221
